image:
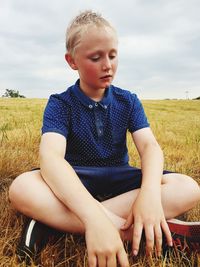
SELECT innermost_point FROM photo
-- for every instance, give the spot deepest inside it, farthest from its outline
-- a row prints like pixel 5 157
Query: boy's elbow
pixel 47 158
pixel 44 155
pixel 154 148
pixel 159 150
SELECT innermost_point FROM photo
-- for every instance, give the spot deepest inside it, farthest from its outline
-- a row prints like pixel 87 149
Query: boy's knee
pixel 190 186
pixel 187 190
pixel 17 190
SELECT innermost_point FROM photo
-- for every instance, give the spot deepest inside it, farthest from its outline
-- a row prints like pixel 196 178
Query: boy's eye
pixel 98 57
pixel 95 58
pixel 112 56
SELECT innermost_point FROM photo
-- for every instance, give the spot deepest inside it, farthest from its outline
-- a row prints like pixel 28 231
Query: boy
pixel 85 184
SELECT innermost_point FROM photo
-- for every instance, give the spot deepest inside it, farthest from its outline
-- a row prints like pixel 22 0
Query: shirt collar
pixel 86 101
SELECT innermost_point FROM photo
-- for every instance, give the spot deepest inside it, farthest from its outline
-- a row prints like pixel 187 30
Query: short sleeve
pixel 56 116
pixel 138 118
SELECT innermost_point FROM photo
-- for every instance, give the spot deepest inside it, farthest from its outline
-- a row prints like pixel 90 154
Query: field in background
pixel 176 125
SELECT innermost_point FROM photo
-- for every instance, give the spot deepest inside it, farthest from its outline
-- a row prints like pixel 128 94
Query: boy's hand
pixel 104 245
pixel 147 213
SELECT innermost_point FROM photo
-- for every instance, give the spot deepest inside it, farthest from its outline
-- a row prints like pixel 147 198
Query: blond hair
pixel 79 25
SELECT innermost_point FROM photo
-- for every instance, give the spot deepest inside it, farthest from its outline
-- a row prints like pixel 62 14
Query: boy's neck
pixel 97 98
pixel 95 95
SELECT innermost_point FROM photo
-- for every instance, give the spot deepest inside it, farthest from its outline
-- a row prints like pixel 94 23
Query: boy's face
pixel 96 58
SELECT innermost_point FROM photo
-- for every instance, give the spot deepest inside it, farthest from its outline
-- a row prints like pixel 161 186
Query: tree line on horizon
pixel 15 94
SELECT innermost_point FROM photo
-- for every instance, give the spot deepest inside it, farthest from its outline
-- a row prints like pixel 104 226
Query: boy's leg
pixel 179 194
pixel 42 205
pixel 30 195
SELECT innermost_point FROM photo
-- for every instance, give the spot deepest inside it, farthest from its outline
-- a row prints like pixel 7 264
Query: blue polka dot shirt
pixel 95 131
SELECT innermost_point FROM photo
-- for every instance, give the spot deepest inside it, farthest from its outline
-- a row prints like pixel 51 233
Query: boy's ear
pixel 70 61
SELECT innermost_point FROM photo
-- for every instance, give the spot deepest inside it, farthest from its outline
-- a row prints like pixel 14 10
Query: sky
pixel 159 46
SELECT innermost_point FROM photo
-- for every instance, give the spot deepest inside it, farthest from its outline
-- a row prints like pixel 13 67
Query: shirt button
pixel 90 106
pixel 105 107
pixel 96 105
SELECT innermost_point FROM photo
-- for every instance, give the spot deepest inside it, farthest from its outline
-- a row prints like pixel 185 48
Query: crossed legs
pixel 30 195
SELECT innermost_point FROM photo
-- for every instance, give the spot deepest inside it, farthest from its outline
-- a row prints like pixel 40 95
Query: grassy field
pixel 176 125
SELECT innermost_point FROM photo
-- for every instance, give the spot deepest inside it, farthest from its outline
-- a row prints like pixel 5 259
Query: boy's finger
pixel 167 232
pixel 111 261
pixel 102 261
pixel 123 258
pixel 137 233
pixel 92 260
pixel 158 239
pixel 149 234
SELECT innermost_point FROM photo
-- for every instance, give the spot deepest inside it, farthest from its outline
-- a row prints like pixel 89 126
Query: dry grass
pixel 176 125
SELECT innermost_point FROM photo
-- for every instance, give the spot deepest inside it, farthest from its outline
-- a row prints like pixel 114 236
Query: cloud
pixel 159 45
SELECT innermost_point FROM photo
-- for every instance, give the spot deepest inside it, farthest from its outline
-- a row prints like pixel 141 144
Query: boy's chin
pixel 106 84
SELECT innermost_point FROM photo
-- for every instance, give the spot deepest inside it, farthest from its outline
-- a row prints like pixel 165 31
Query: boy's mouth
pixel 106 77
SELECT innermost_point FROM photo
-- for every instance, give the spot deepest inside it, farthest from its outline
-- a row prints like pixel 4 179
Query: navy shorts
pixel 108 182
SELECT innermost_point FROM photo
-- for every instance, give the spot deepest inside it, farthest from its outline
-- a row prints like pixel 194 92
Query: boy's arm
pixel 147 211
pixel 102 238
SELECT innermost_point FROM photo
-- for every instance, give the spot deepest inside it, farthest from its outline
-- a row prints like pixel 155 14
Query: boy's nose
pixel 106 64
